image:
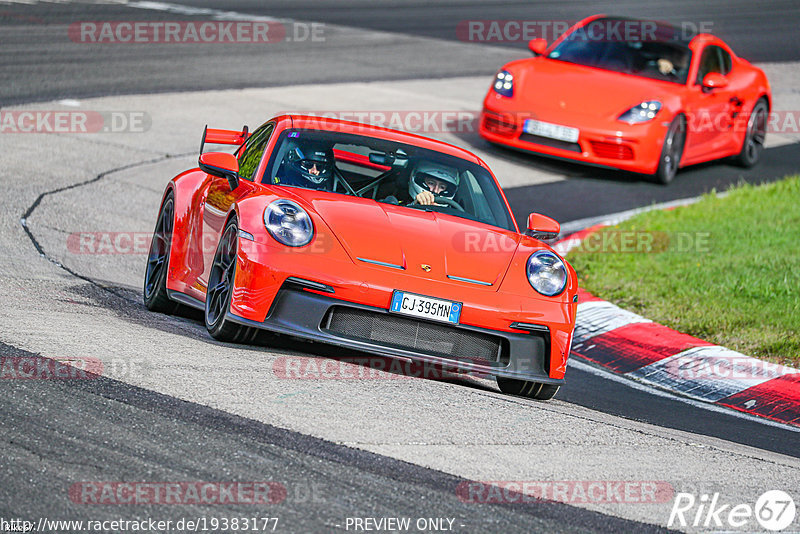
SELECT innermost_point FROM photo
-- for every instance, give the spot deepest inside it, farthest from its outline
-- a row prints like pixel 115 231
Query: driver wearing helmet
pixel 308 164
pixel 430 180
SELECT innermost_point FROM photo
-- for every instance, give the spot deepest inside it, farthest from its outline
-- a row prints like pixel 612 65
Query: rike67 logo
pixel 774 511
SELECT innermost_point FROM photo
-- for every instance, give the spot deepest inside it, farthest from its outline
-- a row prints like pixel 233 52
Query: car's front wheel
pixel 671 151
pixel 754 138
pixel 526 388
pixel 155 274
pixel 220 290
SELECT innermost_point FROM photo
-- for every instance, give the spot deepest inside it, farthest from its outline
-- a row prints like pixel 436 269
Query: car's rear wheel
pixel 526 388
pixel 220 290
pixel 671 151
pixel 155 274
pixel 754 138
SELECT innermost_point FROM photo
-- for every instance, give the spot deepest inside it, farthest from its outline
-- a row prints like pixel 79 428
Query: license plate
pixel 553 131
pixel 445 311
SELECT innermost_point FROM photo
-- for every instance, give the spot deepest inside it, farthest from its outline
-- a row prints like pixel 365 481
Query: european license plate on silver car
pixel 553 131
pixel 426 307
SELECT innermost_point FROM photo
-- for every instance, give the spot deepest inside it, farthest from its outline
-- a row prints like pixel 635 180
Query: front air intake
pixel 418 336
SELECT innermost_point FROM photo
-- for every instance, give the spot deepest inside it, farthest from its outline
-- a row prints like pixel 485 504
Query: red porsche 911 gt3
pixel 369 239
pixel 649 101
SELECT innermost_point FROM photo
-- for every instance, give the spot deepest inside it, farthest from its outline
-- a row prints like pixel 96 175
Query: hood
pixel 401 236
pixel 553 86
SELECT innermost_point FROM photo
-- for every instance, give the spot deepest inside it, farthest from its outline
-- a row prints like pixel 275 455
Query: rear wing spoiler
pixel 223 137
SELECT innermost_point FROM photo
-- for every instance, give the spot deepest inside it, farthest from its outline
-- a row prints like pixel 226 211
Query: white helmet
pixel 426 170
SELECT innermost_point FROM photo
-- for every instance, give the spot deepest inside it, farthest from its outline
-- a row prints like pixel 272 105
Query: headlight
pixel 504 83
pixel 642 113
pixel 547 274
pixel 288 223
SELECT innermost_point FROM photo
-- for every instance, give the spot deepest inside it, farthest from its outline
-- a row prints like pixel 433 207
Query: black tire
pixel 753 144
pixel 671 151
pixel 154 291
pixel 526 388
pixel 220 290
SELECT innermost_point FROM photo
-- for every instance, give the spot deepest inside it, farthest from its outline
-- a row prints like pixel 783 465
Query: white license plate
pixel 553 131
pixel 425 307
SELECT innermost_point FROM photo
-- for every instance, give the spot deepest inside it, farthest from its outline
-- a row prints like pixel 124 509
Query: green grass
pixel 737 286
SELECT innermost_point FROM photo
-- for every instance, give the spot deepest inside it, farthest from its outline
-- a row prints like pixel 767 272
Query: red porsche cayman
pixel 649 101
pixel 369 239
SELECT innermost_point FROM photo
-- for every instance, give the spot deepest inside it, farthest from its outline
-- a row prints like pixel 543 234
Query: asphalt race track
pixel 173 405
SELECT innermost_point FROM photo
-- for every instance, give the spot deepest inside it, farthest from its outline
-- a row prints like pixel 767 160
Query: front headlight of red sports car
pixel 504 83
pixel 288 223
pixel 646 111
pixel 547 273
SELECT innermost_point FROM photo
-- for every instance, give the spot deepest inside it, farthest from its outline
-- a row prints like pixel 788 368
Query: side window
pixel 250 156
pixel 711 61
pixel 726 61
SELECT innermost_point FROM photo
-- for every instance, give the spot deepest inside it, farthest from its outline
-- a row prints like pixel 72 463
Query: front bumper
pixel 309 315
pixel 635 148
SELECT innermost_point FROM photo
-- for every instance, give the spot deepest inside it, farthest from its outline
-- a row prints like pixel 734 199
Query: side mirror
pixel 714 80
pixel 221 164
pixel 538 46
pixel 542 227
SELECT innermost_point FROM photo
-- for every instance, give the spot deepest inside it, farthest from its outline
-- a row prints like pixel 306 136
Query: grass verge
pixel 726 270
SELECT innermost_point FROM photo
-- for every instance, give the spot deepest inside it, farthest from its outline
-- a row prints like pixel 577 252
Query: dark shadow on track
pixel 100 429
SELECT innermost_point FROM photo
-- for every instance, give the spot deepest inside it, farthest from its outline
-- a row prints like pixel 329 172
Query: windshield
pixel 388 172
pixel 654 51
